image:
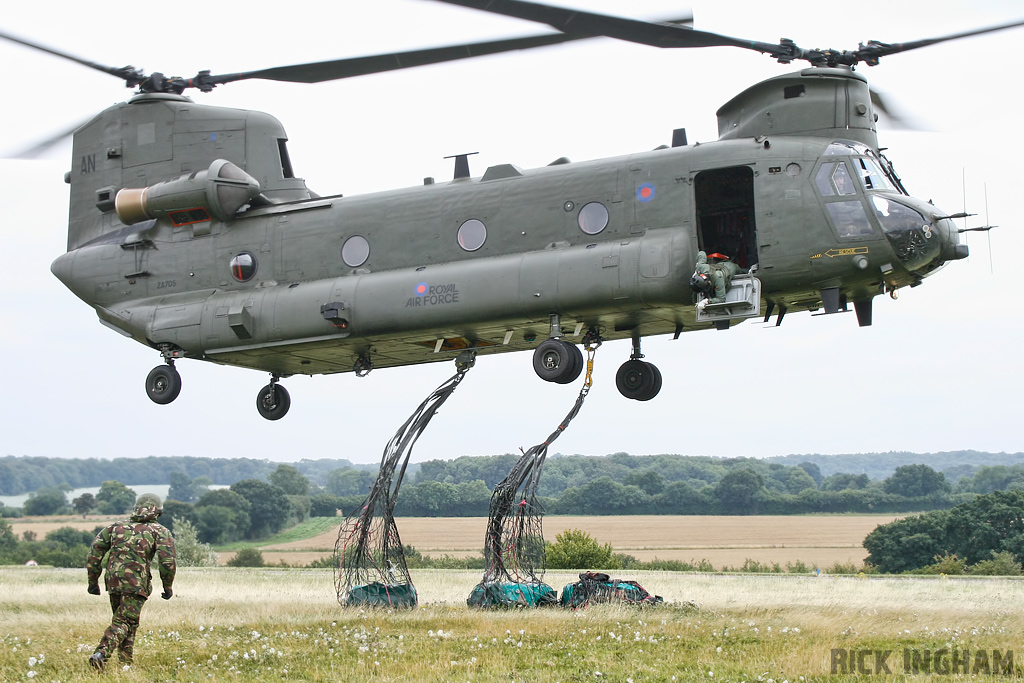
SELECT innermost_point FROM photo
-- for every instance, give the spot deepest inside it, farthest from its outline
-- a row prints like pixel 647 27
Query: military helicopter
pixel 190 233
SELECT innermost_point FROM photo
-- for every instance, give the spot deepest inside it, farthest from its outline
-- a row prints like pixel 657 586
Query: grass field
pixel 277 624
pixel 724 541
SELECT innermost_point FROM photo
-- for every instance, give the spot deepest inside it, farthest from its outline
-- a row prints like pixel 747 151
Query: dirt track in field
pixel 722 540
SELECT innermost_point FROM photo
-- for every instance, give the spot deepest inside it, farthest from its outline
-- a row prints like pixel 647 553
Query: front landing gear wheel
pixel 638 380
pixel 163 384
pixel 273 401
pixel 557 361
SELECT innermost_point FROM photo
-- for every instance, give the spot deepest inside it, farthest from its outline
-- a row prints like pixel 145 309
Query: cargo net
pixel 370 567
pixel 514 542
pixel 597 587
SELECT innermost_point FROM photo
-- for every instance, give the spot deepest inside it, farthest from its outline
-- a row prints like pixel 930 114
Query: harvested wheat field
pixel 821 541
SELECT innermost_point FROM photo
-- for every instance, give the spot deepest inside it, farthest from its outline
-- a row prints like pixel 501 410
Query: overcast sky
pixel 939 370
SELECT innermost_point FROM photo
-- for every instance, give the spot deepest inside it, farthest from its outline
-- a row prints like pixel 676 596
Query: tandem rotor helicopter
pixel 190 232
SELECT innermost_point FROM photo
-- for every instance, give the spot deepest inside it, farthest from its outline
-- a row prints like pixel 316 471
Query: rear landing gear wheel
pixel 557 361
pixel 163 384
pixel 638 380
pixel 273 401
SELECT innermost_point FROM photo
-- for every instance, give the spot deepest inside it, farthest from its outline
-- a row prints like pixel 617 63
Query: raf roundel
pixel 421 289
pixel 645 192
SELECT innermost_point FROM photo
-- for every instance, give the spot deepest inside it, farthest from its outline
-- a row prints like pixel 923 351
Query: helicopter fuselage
pixel 271 277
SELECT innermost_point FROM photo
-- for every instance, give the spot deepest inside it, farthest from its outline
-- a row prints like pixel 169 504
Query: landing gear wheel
pixel 638 380
pixel 557 361
pixel 577 364
pixel 657 383
pixel 273 401
pixel 163 384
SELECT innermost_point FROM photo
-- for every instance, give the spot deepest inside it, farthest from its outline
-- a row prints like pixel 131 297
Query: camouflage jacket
pixel 129 546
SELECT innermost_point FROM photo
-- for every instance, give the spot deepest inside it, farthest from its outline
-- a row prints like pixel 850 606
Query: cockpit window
pixel 871 175
pixel 833 179
pixel 849 218
pixel 845 148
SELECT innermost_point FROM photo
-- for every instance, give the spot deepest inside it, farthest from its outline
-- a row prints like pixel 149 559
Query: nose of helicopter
pixel 955 250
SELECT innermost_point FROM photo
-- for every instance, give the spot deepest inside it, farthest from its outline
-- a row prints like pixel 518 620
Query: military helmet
pixel 149 501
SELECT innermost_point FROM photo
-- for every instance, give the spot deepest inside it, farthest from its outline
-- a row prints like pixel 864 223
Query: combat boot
pixel 97 660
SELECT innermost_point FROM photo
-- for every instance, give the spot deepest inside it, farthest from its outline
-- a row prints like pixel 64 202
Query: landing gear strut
pixel 556 360
pixel 637 379
pixel 273 401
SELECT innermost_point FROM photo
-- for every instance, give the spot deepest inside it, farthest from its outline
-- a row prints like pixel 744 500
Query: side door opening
pixel 724 202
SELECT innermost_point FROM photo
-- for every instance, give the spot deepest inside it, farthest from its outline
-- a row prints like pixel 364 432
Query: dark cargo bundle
pixel 514 541
pixel 595 587
pixel 505 594
pixel 370 567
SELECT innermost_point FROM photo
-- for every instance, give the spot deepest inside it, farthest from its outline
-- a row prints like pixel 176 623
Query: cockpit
pixel 862 194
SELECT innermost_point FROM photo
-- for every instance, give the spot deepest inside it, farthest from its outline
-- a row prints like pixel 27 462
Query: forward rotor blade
pixel 318 72
pixel 875 50
pixel 130 74
pixel 655 34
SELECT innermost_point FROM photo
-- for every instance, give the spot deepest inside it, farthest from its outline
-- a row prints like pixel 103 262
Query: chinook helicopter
pixel 190 233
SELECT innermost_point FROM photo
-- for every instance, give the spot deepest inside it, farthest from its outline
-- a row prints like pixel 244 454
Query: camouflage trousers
pixel 120 635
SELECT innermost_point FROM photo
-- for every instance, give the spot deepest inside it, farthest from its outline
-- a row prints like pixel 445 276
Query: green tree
pixel 351 482
pixel 994 478
pixel 736 491
pixel 68 537
pixel 8 541
pixel 649 480
pixel 797 479
pixel 843 480
pixel 48 500
pixel 175 510
pixel 813 470
pixel 191 553
pixel 324 505
pixel 290 480
pixel 908 543
pixel 181 488
pixel 247 557
pixel 575 549
pixel 84 504
pixel 269 506
pixel 1002 564
pixel 115 498
pixel 915 481
pixel 989 523
pixel 216 524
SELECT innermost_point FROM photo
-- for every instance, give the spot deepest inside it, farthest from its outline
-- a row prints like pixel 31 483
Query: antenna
pixel 991 268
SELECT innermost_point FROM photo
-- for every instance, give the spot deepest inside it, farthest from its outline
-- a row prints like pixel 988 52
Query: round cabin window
pixel 355 251
pixel 472 235
pixel 243 266
pixel 593 218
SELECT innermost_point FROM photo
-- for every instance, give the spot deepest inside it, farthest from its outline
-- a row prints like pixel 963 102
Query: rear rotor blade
pixel 130 74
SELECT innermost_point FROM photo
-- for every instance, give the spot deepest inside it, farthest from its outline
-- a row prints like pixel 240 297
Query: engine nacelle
pixel 221 190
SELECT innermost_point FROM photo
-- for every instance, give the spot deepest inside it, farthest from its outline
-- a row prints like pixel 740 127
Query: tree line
pixel 19 475
pixel 571 485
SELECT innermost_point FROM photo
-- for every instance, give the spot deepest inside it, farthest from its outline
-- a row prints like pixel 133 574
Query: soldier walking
pixel 129 546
